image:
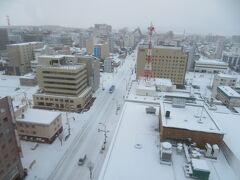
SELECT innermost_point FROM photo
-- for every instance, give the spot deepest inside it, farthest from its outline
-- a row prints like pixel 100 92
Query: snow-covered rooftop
pixel 146 85
pixel 37 116
pixel 52 56
pixel 163 81
pixel 230 122
pixel 211 62
pixel 29 76
pixel 191 117
pixel 127 160
pixel 229 91
pixel 226 75
pixel 22 44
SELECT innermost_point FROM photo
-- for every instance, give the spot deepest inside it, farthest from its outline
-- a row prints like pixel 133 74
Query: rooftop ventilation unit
pixel 166 153
pixel 179 102
pixel 167 115
pixel 150 110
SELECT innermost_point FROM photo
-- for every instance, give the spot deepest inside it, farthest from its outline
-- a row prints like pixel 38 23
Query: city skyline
pixel 192 16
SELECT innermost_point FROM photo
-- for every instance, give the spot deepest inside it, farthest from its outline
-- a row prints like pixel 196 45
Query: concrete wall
pixel 201 138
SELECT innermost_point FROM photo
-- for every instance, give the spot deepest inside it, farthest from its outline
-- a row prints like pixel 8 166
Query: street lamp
pixel 117 105
pixel 105 132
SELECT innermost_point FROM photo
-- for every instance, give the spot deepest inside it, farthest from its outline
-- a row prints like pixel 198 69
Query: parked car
pixel 34 146
pixel 82 160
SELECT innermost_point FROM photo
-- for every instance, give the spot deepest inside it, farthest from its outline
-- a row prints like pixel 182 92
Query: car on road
pixel 111 89
pixel 82 160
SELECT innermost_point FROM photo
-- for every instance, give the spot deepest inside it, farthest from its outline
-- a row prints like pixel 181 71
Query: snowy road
pixel 88 140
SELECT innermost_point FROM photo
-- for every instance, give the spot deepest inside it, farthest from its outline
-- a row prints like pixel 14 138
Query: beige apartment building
pixel 39 125
pixel 168 62
pixel 63 83
pixel 10 161
pixel 20 57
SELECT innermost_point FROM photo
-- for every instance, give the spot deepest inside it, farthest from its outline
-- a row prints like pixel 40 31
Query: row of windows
pixel 51 99
pixel 170 57
pixel 26 125
pixel 63 73
pixel 22 131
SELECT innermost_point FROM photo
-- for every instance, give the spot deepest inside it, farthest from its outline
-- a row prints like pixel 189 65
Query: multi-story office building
pixel 223 80
pixel 167 62
pixel 20 57
pixel 10 161
pixel 3 38
pixel 63 83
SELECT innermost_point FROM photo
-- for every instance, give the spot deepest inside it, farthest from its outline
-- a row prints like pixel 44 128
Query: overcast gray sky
pixel 195 16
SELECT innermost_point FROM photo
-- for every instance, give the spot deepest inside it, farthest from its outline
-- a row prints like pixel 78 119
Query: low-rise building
pixel 210 66
pixel 223 80
pixel 164 85
pixel 188 122
pixel 39 125
pixel 28 80
pixel 228 96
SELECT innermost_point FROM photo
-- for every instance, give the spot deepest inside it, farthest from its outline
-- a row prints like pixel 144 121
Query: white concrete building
pixel 228 96
pixel 223 80
pixel 210 66
pixel 39 125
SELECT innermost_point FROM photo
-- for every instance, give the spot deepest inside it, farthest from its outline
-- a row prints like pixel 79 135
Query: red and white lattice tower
pixel 147 72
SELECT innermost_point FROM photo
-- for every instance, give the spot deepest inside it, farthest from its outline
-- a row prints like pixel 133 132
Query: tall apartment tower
pixel 10 161
pixel 63 83
pixel 20 57
pixel 167 62
pixel 3 38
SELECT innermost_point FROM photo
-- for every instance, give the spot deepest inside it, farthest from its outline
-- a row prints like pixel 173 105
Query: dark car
pixel 82 160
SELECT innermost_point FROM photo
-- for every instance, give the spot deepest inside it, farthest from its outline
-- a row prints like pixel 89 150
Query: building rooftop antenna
pixel 148 73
